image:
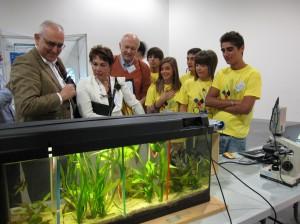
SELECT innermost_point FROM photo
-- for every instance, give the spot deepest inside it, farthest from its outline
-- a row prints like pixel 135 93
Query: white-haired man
pixel 128 66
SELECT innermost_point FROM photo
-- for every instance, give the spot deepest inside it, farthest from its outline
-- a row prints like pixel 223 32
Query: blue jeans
pixel 232 144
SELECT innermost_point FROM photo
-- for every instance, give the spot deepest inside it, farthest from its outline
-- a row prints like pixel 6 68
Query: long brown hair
pixel 175 78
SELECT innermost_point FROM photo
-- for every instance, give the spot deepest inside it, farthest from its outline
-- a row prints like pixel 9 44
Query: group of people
pixel 42 89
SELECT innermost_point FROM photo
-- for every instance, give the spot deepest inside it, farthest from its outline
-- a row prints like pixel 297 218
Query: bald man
pixel 38 79
pixel 134 70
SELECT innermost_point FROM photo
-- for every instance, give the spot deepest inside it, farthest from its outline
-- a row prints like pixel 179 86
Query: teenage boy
pixel 154 56
pixel 233 93
pixel 190 61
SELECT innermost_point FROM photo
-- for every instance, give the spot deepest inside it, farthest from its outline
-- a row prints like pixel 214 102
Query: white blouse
pixel 89 90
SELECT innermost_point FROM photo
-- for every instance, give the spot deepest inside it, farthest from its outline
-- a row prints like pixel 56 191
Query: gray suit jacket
pixel 35 87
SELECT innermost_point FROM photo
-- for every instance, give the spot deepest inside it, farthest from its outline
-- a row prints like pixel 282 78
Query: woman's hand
pixel 167 95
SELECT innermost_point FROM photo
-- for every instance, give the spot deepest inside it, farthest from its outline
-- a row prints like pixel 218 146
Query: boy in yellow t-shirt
pixel 154 56
pixel 193 92
pixel 190 60
pixel 233 93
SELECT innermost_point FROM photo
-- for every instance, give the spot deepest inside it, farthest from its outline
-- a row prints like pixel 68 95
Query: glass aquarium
pixel 107 170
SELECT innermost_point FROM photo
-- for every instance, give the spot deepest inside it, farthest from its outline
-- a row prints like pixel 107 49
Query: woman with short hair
pixel 102 94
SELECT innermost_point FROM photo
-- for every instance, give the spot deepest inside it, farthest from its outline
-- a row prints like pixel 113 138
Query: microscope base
pixel 270 174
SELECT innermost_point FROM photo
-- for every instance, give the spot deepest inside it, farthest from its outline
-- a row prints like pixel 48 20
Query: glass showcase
pixel 110 170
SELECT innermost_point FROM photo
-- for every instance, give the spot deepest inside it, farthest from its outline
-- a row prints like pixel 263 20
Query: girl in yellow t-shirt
pixel 193 92
pixel 162 95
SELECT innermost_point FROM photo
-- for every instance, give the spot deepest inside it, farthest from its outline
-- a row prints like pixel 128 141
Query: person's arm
pixel 242 107
pixel 84 101
pixel 5 97
pixel 151 109
pixel 252 93
pixel 138 108
pixel 67 92
pixel 213 100
pixel 27 83
pixel 165 96
pixel 151 99
pixel 146 80
pixel 130 98
pixel 183 108
pixel 142 101
pixel 182 98
pixel 231 106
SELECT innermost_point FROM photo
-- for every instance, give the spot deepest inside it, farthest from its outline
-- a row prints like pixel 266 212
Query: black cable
pixel 213 161
pixel 209 147
pixel 270 217
pixel 240 163
pixel 221 191
pixel 275 214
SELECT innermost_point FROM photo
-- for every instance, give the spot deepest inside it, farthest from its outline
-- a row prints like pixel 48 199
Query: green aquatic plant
pixel 191 166
pixel 160 148
pixel 91 181
pixel 149 177
pixel 144 180
pixel 75 186
pixel 34 211
pixel 190 173
pixel 94 183
pixel 194 174
pixel 120 158
pixel 103 186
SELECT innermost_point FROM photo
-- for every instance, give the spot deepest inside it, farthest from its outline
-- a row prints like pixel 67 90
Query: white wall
pixel 104 22
pixel 271 30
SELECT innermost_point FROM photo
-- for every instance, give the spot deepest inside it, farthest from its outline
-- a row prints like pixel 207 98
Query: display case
pixel 104 170
pixel 74 54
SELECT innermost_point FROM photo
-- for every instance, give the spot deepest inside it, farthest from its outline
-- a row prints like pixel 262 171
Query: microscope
pixel 282 154
pixel 285 167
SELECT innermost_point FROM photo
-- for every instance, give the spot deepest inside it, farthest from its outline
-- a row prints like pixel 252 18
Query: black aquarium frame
pixel 44 139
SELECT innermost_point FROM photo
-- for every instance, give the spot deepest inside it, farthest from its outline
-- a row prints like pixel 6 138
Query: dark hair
pixel 193 51
pixel 156 52
pixel 103 53
pixel 142 48
pixel 175 81
pixel 234 38
pixel 208 58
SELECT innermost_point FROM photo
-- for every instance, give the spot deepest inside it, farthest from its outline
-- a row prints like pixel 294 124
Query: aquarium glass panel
pixel 114 185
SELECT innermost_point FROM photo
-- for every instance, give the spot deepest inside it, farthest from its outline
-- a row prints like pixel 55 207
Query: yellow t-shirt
pixel 185 77
pixel 235 84
pixel 154 77
pixel 193 93
pixel 153 96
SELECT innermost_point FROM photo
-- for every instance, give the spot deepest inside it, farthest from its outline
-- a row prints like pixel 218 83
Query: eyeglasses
pixel 52 44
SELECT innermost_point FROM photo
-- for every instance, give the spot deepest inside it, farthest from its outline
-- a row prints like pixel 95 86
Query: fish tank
pixel 104 170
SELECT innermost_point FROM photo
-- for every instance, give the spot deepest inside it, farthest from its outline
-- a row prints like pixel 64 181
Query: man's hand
pixel 68 92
